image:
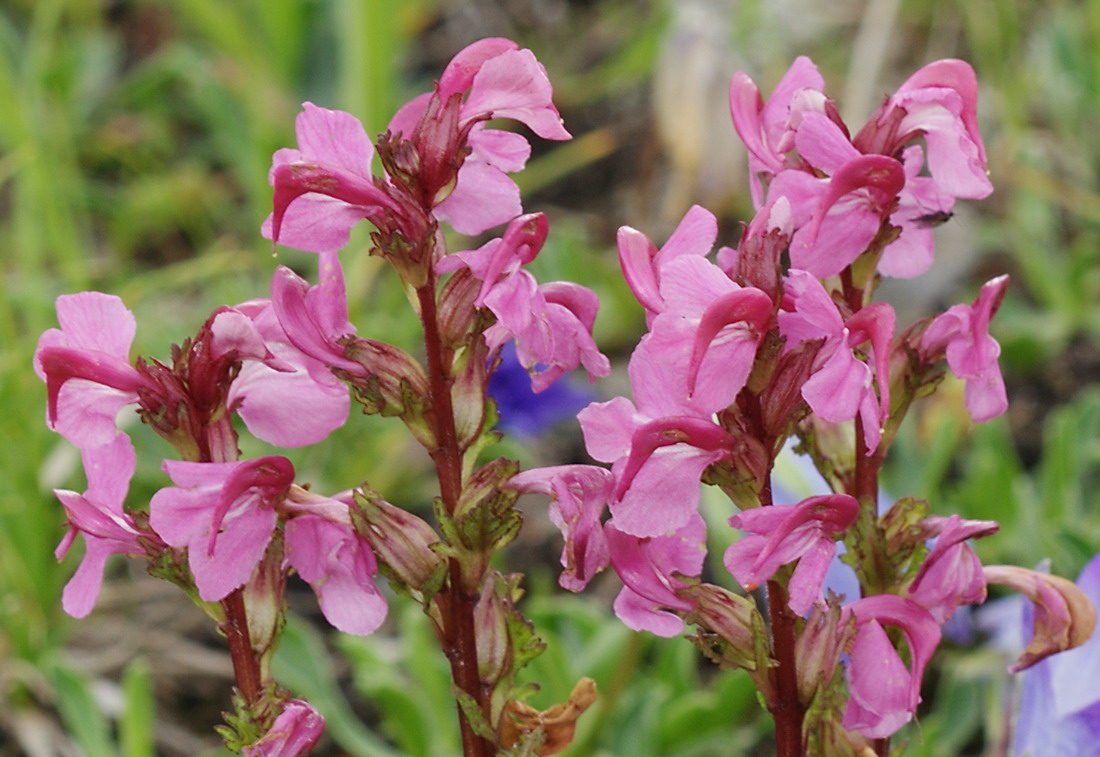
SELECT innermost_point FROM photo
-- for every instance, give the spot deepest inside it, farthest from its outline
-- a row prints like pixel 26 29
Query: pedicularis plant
pixel 777 338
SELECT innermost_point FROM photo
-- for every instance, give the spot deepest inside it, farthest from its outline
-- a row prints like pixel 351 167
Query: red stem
pixel 786 710
pixel 456 603
pixel 246 667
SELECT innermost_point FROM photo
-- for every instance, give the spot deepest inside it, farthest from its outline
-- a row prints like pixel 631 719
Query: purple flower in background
pixel 1059 712
pixel 523 411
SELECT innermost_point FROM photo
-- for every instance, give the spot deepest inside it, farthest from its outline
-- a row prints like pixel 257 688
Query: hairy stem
pixel 456 602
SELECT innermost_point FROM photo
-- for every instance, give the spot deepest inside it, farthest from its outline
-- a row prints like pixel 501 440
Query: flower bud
pixel 733 619
pixel 401 541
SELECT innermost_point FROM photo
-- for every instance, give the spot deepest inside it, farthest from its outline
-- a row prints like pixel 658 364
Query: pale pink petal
pixel 514 85
pixel 340 567
pixel 484 197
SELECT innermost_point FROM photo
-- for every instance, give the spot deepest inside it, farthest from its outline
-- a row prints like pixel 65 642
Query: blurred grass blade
pixel 80 713
pixel 136 723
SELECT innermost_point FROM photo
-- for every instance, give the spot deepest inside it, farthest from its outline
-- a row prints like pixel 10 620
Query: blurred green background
pixel 135 139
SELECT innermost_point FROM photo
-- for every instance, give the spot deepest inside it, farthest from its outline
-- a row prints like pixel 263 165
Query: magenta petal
pixel 484 197
pixel 836 390
pixel 879 685
pixel 237 551
pixel 459 74
pixel 333 137
pixel 340 567
pixel 580 494
pixel 293 734
pixel 608 428
pixel 640 614
pixel 290 409
pixel 96 321
pixel 664 494
pixel 514 85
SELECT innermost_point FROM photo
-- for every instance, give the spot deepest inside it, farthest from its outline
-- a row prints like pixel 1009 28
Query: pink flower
pixel 768 129
pixel 224 514
pixel 335 560
pixel 289 399
pixel 962 333
pixel 951 574
pixel 100 517
pixel 939 103
pixel 642 262
pixel 580 493
pixel 498 80
pixel 840 217
pixel 782 534
pixel 324 187
pixel 882 693
pixel 841 386
pixel 702 346
pixel 648 568
pixel 86 367
pixel 657 463
pixel 293 734
pixel 551 323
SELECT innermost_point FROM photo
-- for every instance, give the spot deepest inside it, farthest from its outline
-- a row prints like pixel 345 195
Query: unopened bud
pixel 401 541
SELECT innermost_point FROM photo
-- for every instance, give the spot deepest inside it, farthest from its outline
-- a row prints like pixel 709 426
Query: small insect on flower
pixel 932 220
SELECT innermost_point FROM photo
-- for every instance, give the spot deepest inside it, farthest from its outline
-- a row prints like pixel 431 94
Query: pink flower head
pixel 656 463
pixel 551 323
pixel 768 129
pixel 841 386
pixel 284 396
pixel 315 318
pixel 335 560
pixel 498 80
pixel 324 187
pixel 962 333
pixel 939 103
pixel 580 493
pixel 642 262
pixel 837 218
pixel 496 261
pixel 99 516
pixel 782 534
pixel 224 514
pixel 648 569
pixel 293 734
pixel 951 574
pixel 882 693
pixel 86 367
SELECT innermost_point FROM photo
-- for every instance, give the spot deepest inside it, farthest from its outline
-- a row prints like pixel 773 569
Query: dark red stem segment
pixel 786 710
pixel 246 667
pixel 456 603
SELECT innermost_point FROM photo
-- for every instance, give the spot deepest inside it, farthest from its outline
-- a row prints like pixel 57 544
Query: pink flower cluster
pixel 779 337
pixel 230 530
